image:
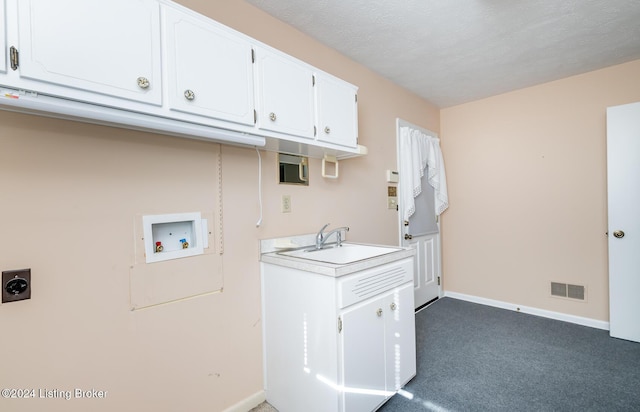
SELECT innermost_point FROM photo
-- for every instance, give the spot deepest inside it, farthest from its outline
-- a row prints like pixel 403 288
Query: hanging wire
pixel 259 222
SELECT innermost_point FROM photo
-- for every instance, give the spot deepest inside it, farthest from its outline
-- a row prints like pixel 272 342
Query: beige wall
pixel 70 194
pixel 527 185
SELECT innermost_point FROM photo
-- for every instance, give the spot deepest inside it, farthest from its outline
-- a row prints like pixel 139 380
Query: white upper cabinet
pixel 336 111
pixel 210 72
pixel 3 40
pixel 284 94
pixel 109 48
pixel 158 66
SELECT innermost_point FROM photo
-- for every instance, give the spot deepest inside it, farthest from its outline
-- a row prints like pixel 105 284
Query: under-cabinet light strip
pixel 28 102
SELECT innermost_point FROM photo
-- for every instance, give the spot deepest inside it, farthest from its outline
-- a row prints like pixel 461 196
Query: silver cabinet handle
pixel 379 312
pixel 143 82
pixel 327 130
pixel 189 94
pixel 272 116
pixel 393 306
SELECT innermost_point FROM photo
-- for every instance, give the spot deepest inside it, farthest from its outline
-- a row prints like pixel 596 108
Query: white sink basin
pixel 342 255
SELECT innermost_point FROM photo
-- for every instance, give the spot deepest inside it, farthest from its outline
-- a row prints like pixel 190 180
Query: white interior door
pixel 623 183
pixel 421 232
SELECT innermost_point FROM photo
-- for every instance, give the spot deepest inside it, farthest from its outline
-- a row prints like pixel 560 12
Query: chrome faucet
pixel 322 237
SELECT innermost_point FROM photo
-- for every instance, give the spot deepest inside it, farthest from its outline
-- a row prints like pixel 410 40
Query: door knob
pixel 619 234
pixel 408 237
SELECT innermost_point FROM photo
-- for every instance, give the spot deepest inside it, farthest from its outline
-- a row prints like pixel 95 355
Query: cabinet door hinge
pixel 315 131
pixel 253 56
pixel 438 280
pixel 14 57
pixel 313 80
pixel 255 117
pixel 339 324
pixel 356 98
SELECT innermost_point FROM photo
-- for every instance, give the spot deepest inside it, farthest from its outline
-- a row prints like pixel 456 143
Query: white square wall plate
pixel 172 236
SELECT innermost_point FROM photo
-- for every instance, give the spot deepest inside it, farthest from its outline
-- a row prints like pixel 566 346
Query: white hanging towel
pixel 425 154
pixel 437 177
pixel 412 168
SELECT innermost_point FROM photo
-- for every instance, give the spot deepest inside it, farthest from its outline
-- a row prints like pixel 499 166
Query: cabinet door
pixel 3 40
pixel 285 95
pixel 215 80
pixel 107 47
pixel 400 337
pixel 363 356
pixel 337 111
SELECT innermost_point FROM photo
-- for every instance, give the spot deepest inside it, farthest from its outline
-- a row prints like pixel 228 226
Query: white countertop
pixel 331 269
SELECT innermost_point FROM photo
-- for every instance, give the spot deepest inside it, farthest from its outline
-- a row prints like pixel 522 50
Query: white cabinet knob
pixel 143 82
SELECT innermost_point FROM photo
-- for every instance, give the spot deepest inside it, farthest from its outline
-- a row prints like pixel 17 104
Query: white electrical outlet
pixel 286 204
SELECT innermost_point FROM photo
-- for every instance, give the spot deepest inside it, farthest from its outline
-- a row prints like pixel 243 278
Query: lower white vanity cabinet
pixel 379 328
pixel 337 343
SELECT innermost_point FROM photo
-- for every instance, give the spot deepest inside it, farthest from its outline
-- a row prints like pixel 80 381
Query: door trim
pixel 403 123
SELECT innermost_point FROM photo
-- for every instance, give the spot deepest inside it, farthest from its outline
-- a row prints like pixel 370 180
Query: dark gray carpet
pixel 478 358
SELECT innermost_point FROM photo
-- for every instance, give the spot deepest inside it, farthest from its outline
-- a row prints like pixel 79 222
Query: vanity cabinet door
pixel 336 111
pixel 284 94
pixel 210 69
pixel 3 39
pixel 107 48
pixel 363 355
pixel 378 344
pixel 400 337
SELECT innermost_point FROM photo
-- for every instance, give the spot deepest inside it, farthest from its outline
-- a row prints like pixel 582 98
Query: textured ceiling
pixel 455 51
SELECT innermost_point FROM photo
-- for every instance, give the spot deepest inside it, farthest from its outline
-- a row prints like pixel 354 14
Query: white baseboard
pixel 247 403
pixel 593 323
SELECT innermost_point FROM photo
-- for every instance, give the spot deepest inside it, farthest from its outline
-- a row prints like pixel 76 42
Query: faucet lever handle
pixel 323 228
